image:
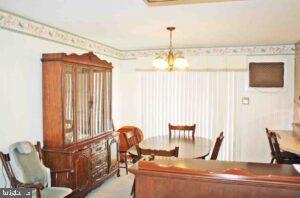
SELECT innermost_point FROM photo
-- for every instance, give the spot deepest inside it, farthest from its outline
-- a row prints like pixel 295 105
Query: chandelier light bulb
pixel 180 63
pixel 160 63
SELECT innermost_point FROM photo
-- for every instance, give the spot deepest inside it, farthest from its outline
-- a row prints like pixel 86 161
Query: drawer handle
pixel 98 165
pixel 98 149
pixel 82 149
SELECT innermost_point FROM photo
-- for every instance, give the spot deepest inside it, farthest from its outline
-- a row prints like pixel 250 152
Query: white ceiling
pixel 131 24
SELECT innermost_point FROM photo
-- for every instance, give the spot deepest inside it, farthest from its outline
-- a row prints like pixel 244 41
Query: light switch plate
pixel 245 100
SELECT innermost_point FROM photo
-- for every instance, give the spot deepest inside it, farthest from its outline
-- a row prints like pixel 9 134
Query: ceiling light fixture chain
pixel 171 29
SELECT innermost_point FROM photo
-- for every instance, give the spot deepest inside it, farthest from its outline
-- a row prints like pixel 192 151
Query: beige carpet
pixel 114 187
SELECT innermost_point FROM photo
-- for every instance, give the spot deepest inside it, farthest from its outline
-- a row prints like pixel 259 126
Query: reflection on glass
pixel 97 122
pixel 107 102
pixel 83 103
pixel 113 154
pixel 68 105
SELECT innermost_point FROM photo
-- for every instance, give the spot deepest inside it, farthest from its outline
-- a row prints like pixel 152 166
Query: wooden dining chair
pixel 283 154
pixel 217 147
pixel 271 146
pixel 122 141
pixel 281 157
pixel 131 140
pixel 164 153
pixel 182 129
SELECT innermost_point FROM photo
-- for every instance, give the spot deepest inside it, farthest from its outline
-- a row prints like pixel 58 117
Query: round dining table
pixel 188 147
pixel 289 141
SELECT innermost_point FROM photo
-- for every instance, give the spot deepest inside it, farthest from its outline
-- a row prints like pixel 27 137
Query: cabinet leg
pixel 118 172
pixel 126 165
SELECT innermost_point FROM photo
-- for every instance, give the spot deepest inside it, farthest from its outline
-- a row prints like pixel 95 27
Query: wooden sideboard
pixel 204 178
pixel 92 163
pixel 77 119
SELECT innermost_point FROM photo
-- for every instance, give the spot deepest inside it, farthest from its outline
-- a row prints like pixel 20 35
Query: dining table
pixel 197 147
pixel 289 141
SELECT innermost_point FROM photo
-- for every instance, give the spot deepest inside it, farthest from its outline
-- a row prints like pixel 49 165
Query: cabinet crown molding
pixel 88 59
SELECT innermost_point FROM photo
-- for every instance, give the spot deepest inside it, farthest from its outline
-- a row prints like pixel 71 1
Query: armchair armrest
pixel 17 184
pixel 38 187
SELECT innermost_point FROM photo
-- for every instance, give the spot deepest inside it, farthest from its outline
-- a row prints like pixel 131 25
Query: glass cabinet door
pixel 68 97
pixel 83 103
pixel 113 144
pixel 97 110
pixel 107 117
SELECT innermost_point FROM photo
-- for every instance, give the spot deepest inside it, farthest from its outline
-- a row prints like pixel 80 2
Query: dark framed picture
pixel 269 74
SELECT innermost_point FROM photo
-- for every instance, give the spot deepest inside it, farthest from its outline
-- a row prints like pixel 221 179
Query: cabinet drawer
pixel 102 155
pixel 99 148
pixel 103 168
pixel 98 162
pixel 99 175
pixel 114 165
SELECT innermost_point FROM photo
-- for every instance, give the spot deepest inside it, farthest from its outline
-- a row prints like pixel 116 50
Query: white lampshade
pixel 160 63
pixel 180 63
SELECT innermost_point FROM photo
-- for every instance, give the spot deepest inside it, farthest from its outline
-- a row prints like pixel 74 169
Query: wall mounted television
pixel 266 74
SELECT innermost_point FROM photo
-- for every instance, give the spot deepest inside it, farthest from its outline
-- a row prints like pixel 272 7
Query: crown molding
pixel 222 51
pixel 16 23
pixel 27 26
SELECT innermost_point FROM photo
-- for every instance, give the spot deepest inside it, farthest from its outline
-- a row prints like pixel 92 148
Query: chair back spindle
pixel 5 160
pixel 131 138
pixel 276 147
pixel 217 147
pixel 182 129
pixel 270 145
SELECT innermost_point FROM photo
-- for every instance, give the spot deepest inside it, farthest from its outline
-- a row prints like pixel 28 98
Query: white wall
pixel 272 108
pixel 21 94
pixel 21 86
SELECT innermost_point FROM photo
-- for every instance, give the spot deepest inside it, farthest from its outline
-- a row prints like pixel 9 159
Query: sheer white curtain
pixel 205 98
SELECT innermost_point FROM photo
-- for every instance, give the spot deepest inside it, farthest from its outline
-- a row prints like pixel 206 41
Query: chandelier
pixel 171 60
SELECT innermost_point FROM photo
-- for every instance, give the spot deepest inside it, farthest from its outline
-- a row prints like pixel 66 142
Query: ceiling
pixel 132 24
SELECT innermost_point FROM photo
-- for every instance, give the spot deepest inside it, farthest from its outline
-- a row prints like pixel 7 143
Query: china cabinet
pixel 78 132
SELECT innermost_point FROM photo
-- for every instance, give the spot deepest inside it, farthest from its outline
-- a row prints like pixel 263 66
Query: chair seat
pixel 54 192
pixel 289 158
pixel 291 161
pixel 289 155
pixel 134 158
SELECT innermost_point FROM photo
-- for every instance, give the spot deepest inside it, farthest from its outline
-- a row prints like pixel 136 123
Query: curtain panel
pixel 184 98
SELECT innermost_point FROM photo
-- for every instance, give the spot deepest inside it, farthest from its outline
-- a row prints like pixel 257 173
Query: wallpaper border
pixel 16 23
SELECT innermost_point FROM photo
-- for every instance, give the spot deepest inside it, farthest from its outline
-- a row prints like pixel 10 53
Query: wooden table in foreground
pixel 289 141
pixel 188 147
pixel 208 178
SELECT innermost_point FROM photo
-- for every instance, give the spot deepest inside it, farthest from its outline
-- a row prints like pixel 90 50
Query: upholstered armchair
pixel 25 169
